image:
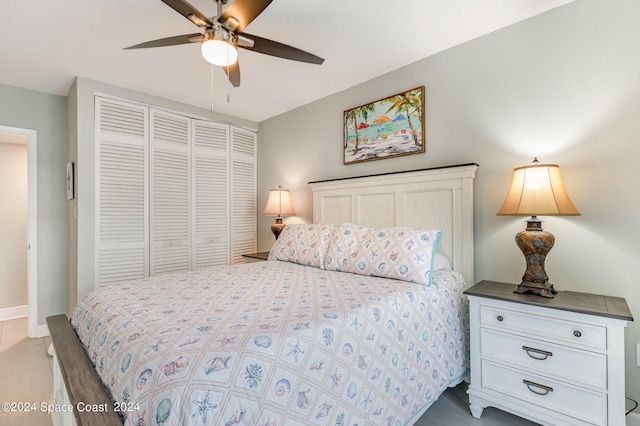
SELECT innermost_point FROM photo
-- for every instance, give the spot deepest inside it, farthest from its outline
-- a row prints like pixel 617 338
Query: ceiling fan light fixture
pixel 219 49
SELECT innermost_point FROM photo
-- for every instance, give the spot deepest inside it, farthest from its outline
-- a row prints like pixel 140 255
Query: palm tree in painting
pixel 410 103
pixel 352 116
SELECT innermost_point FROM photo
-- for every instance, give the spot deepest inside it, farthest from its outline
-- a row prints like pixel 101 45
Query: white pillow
pixel 305 244
pixel 401 253
pixel 440 262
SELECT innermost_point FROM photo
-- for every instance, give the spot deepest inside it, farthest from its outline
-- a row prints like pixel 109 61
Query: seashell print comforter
pixel 275 343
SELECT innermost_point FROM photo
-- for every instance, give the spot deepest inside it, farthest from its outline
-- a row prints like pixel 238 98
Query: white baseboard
pixel 6 314
pixel 13 312
pixel 43 330
pixel 633 419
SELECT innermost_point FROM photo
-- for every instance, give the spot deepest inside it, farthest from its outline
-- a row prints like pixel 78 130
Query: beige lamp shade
pixel 537 189
pixel 279 203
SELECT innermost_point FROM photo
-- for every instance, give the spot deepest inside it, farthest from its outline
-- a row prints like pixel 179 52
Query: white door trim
pixel 32 227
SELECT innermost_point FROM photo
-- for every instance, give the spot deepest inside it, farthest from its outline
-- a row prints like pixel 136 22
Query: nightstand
pixel 554 361
pixel 255 257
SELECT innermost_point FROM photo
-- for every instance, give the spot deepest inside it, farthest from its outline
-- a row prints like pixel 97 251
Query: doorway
pixel 18 135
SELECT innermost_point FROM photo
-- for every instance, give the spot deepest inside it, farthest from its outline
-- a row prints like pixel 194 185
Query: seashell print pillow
pixel 305 244
pixel 405 254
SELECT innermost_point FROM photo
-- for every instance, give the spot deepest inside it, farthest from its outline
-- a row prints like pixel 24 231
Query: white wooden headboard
pixel 435 198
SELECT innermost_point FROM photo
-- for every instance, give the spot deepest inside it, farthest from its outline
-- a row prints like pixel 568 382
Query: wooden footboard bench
pixel 79 398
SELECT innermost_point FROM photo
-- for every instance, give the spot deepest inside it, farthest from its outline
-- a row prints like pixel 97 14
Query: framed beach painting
pixel 386 128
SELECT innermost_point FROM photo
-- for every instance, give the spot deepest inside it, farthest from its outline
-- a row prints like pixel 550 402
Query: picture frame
pixel 70 179
pixel 386 128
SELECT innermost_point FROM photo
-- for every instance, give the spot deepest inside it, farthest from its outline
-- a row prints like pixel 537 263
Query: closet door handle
pixel 543 354
pixel 545 389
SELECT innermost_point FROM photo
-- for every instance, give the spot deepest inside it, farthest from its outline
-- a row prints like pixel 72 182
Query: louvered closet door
pixel 122 246
pixel 170 193
pixel 243 193
pixel 210 241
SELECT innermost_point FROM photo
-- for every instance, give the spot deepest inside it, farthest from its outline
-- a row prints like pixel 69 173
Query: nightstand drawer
pixel 547 359
pixel 569 332
pixel 582 404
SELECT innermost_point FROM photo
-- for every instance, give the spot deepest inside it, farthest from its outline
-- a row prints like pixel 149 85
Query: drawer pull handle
pixel 499 318
pixel 545 389
pixel 577 333
pixel 545 354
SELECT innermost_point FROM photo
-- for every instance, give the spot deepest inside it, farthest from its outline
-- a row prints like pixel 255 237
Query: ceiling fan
pixel 224 33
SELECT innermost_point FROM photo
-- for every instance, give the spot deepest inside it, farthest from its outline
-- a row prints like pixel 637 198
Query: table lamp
pixel 536 189
pixel 278 204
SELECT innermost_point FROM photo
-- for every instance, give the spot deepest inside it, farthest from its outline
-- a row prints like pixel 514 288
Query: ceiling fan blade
pixel 169 41
pixel 273 48
pixel 233 72
pixel 241 13
pixel 188 11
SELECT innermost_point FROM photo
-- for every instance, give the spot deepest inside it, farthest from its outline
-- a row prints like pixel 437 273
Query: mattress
pixel 275 343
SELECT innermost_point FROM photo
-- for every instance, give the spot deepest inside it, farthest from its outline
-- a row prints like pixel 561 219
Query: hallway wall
pixel 13 225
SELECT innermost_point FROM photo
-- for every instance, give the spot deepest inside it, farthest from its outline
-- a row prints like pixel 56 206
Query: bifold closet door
pixel 121 188
pixel 210 163
pixel 244 232
pixel 173 193
pixel 170 192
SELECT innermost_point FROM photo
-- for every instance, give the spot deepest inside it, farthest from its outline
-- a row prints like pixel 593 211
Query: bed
pixel 319 334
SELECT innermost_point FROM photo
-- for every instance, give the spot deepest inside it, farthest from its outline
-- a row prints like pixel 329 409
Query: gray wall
pixel 562 86
pixel 47 114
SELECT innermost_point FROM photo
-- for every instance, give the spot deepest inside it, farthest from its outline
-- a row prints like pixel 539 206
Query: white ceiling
pixel 45 44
